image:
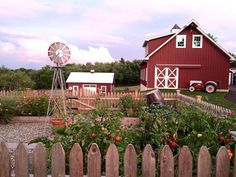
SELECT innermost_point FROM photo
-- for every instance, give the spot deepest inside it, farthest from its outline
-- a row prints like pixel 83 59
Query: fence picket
pixel 40 161
pixel 112 162
pixel 21 161
pixel 5 163
pixel 204 163
pixel 58 160
pixel 76 161
pixel 94 161
pixel 222 163
pixel 148 162
pixel 130 162
pixel 185 162
pixel 166 162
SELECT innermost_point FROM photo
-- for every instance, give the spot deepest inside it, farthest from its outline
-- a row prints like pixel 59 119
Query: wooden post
pixel 185 162
pixel 76 161
pixel 40 161
pixel 21 159
pixel 166 162
pixel 130 162
pixel 58 160
pixel 148 162
pixel 5 163
pixel 112 162
pixel 222 163
pixel 204 163
pixel 94 161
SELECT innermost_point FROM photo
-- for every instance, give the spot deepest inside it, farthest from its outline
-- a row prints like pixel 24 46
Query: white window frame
pixel 201 41
pixel 177 40
pixel 74 86
pixel 104 86
pixel 89 86
pixel 143 74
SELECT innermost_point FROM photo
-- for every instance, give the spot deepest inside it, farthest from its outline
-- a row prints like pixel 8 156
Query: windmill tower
pixel 59 54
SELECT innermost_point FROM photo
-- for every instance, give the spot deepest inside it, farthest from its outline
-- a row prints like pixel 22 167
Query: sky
pixel 102 30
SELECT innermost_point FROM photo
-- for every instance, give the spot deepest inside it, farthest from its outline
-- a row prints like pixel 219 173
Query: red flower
pixel 230 113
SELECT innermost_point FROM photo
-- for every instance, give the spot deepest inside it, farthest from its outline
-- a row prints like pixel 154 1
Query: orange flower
pixel 230 153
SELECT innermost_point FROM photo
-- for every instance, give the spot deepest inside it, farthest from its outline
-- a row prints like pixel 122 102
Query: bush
pixel 33 106
pixel 7 109
pixel 129 106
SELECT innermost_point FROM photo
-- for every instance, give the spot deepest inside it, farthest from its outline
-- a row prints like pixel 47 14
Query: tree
pixel 15 80
pixel 233 62
pixel 212 37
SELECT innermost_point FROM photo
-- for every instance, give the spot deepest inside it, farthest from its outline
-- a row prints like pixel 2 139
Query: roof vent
pixel 92 71
pixel 175 29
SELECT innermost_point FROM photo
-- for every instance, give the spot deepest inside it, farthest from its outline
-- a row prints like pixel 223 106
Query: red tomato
pixel 93 135
pixel 117 139
pixel 174 145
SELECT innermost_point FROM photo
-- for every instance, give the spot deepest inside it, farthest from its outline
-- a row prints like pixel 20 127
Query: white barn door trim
pixel 166 78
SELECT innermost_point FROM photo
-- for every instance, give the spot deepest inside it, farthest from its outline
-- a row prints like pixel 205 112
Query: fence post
pixel 40 161
pixel 94 161
pixel 76 161
pixel 130 162
pixel 112 162
pixel 185 162
pixel 204 163
pixel 222 163
pixel 5 163
pixel 58 160
pixel 21 160
pixel 148 162
pixel 166 162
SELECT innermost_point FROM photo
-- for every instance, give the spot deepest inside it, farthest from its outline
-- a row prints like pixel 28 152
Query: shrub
pixel 34 106
pixel 7 109
pixel 129 106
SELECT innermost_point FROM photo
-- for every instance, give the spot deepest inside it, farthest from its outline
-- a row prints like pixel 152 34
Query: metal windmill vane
pixel 59 53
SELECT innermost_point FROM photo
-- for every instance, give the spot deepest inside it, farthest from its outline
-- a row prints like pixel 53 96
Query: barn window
pixel 197 41
pixel 180 41
pixel 104 89
pixel 143 74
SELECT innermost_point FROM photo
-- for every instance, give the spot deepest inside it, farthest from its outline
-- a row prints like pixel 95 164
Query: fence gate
pixel 166 78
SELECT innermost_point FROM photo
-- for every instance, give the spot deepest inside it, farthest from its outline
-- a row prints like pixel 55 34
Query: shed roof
pixel 90 77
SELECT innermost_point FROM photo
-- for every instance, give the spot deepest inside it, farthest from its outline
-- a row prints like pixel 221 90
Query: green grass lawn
pixel 215 98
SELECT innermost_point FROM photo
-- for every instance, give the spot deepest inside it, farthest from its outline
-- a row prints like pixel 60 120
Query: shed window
pixel 104 89
pixel 197 41
pixel 180 41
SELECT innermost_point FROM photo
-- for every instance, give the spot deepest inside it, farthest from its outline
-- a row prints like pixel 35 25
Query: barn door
pixel 166 78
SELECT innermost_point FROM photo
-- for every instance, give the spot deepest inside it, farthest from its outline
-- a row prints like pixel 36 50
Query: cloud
pixel 29 50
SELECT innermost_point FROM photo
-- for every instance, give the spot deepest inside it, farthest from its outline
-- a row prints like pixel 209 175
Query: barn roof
pixel 192 22
pixel 90 77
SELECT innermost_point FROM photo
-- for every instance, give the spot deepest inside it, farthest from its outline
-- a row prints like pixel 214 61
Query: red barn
pixel 93 81
pixel 185 54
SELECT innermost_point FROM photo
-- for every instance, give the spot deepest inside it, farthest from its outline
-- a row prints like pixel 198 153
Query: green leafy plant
pixel 129 106
pixel 7 109
pixel 33 106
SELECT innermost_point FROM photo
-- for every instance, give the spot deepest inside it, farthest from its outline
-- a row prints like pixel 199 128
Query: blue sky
pixel 102 30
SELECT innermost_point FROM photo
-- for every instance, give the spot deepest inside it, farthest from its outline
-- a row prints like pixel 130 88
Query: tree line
pixel 126 74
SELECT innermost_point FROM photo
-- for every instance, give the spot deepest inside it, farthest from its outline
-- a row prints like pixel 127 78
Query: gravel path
pixel 16 132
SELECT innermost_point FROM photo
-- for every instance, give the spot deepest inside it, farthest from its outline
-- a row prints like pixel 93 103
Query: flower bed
pixel 159 125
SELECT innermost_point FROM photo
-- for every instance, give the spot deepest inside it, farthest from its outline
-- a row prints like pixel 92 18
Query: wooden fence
pixel 76 165
pixel 88 101
pixel 197 101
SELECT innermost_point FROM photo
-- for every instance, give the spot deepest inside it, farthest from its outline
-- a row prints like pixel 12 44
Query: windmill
pixel 59 54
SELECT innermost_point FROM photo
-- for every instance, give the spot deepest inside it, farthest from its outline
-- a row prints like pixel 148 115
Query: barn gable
pixel 194 24
pixel 188 54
